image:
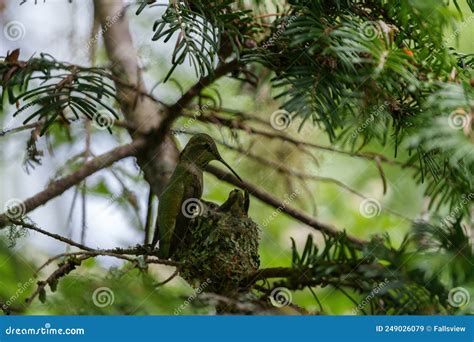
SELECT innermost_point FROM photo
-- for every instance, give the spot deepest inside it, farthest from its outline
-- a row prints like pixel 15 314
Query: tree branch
pixel 64 269
pixel 283 169
pixel 233 124
pixel 59 186
pixel 277 204
pixel 221 70
pixel 76 258
pixel 157 160
pixel 52 235
pixel 176 110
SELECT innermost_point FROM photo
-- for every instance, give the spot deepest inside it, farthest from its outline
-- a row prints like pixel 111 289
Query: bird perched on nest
pixel 179 202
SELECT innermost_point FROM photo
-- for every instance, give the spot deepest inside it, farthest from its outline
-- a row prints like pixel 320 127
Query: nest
pixel 221 246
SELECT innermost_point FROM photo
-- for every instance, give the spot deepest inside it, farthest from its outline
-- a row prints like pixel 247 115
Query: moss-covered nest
pixel 221 246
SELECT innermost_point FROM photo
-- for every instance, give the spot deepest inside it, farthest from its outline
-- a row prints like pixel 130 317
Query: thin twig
pixel 286 170
pixel 20 128
pixel 87 153
pixel 283 169
pixel 278 204
pixel 59 186
pixel 235 124
pixel 63 270
pixel 149 219
pixel 69 216
pixel 176 109
pixel 52 235
pixel 166 281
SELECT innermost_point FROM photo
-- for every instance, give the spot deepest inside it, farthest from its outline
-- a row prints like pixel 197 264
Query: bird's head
pixel 201 149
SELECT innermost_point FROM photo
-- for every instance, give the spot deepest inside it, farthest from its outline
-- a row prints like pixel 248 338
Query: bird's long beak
pixel 228 166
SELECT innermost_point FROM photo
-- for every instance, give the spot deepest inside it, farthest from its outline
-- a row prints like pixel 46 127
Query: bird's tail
pixel 156 235
pixel 162 248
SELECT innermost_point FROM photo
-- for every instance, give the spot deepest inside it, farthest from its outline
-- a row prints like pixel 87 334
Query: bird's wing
pixel 169 208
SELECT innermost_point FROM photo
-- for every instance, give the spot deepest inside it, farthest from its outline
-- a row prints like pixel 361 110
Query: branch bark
pixel 59 186
pixel 51 235
pixel 158 159
pixel 236 124
pixel 277 204
pixel 177 109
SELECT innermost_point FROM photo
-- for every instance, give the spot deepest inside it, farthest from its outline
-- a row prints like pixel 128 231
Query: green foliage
pixel 387 280
pixel 444 146
pixel 121 290
pixel 54 90
pixel 450 240
pixel 367 73
pixel 203 28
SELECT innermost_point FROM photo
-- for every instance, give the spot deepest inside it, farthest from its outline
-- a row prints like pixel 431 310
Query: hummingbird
pixel 237 204
pixel 179 201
